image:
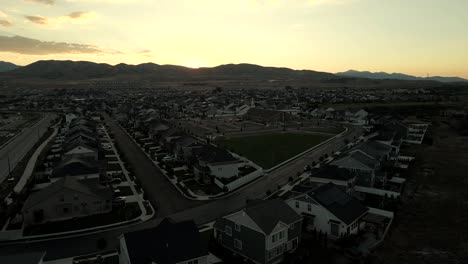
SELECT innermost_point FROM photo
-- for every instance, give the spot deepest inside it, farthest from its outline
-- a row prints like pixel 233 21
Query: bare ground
pixel 432 225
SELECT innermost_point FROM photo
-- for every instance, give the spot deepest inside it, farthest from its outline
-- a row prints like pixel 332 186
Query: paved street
pixel 21 144
pixel 171 202
pixel 160 191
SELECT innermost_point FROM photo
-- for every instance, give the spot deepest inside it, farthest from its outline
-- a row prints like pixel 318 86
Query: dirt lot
pixel 432 225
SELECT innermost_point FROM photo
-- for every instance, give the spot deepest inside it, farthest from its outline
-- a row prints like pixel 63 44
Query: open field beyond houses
pixel 272 149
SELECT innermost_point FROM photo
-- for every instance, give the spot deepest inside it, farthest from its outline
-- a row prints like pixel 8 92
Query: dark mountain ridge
pixel 397 76
pixel 79 70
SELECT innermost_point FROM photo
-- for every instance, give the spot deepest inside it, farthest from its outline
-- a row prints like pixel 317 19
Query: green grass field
pixel 272 149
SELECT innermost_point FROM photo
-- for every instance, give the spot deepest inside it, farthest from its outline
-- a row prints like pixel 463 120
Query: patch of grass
pixel 272 149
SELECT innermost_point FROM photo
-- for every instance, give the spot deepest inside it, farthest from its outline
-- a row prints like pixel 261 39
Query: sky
pixel 417 37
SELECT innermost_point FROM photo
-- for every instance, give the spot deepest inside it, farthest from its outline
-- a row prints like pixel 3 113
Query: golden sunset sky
pixel 416 37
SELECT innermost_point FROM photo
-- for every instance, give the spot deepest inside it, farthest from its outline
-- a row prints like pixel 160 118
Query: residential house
pixel 168 243
pixel 262 232
pixel 67 198
pixel 329 210
pixel 216 162
pixel 360 163
pixel 81 167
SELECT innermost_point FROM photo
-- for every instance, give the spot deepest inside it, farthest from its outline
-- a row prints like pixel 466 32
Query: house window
pixel 297 204
pixel 281 235
pixel 273 238
pixel 237 226
pixel 75 197
pixel 65 210
pixel 309 207
pixel 228 230
pixel 195 261
pixel 238 244
pixel 291 226
pixel 62 198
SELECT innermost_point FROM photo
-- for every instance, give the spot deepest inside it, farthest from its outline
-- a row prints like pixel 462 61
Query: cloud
pixel 144 51
pixel 37 19
pixel 73 18
pixel 23 45
pixel 5 23
pixel 46 2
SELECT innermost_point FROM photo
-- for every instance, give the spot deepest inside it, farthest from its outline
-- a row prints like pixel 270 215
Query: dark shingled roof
pixel 339 203
pixel 168 243
pixel 212 154
pixel 334 173
pixel 267 213
pixel 73 166
pixel 375 149
pixel 68 183
pixel 23 258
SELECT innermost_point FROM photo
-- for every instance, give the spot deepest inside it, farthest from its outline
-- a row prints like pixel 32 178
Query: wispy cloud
pixel 4 21
pixel 144 51
pixel 23 45
pixel 73 18
pixel 46 2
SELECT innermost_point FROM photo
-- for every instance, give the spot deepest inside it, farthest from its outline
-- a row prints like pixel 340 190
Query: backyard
pixel 272 149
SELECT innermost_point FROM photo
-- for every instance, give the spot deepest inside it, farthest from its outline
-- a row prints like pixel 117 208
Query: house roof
pixel 72 165
pixel 23 258
pixel 334 173
pixel 212 154
pixel 339 203
pixel 79 143
pixel 268 213
pixel 357 159
pixel 185 141
pixel 375 149
pixel 168 243
pixel 90 188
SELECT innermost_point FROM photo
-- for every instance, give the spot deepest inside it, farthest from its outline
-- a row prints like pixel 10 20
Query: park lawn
pixel 272 149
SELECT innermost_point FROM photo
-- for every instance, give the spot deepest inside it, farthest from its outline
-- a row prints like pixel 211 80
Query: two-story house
pixel 329 210
pixel 262 232
pixel 213 161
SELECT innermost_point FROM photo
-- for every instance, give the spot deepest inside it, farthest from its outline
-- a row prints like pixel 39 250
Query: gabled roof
pixel 212 154
pixel 79 143
pixel 168 243
pixel 334 173
pixel 268 213
pixel 185 141
pixel 68 184
pixel 375 149
pixel 339 203
pixel 357 159
pixel 72 165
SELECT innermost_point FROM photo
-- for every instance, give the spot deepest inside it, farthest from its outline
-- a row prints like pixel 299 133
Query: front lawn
pixel 270 150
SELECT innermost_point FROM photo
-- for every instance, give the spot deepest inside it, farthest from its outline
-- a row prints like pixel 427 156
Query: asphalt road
pixel 171 202
pixel 21 144
pixel 160 191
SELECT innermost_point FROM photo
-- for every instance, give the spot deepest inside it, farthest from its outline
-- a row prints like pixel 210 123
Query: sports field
pixel 272 149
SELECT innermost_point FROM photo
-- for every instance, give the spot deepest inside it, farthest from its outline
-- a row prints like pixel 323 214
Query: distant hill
pixel 7 66
pixel 79 70
pixel 397 76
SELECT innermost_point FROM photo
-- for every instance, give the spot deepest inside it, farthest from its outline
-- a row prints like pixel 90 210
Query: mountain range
pixel 83 70
pixel 397 76
pixel 80 70
pixel 7 66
